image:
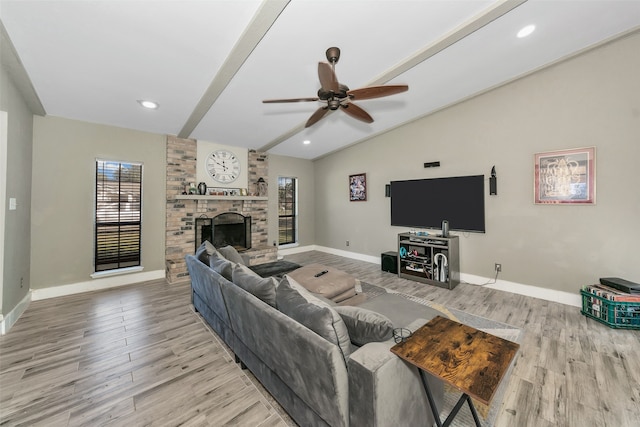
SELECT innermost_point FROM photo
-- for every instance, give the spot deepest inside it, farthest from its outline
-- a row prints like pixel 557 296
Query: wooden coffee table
pixel 470 360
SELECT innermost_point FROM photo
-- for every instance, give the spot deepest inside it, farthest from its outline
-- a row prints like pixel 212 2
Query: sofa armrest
pixel 246 259
pixel 385 390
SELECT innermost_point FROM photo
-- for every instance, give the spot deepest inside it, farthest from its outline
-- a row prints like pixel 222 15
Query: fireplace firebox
pixel 226 229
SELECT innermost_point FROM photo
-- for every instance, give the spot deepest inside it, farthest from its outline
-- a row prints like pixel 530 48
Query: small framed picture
pixel 243 191
pixel 565 177
pixel 358 187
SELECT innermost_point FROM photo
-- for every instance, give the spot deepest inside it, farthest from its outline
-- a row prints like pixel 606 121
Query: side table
pixel 468 359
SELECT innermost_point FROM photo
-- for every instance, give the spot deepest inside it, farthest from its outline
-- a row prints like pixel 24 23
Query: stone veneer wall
pixel 181 214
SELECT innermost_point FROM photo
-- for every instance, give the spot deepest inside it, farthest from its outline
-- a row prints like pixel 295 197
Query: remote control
pixel 321 273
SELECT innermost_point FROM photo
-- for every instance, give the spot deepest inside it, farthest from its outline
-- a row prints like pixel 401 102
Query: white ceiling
pixel 209 64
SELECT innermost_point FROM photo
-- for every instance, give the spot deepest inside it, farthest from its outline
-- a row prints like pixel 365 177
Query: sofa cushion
pixel 264 289
pixel 364 325
pixel 230 253
pixel 205 251
pixel 222 266
pixel 297 303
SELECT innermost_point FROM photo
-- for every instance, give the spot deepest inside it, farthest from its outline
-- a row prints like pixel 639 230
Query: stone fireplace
pixel 228 228
pixel 183 211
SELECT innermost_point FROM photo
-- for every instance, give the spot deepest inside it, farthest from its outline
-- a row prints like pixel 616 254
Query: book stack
pixel 612 294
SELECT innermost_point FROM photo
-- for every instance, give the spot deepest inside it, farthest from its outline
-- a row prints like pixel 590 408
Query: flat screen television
pixel 425 203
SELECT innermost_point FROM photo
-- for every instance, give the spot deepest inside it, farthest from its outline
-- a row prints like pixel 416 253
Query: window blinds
pixel 118 215
pixel 287 210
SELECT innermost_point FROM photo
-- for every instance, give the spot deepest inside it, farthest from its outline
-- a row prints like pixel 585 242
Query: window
pixel 287 210
pixel 118 215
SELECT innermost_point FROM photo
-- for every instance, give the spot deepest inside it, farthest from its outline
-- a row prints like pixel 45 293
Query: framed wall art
pixel 565 177
pixel 358 187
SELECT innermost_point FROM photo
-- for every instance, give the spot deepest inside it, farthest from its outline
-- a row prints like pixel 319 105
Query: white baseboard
pixel 95 285
pixel 295 250
pixel 333 251
pixel 6 322
pixel 562 297
pixel 352 255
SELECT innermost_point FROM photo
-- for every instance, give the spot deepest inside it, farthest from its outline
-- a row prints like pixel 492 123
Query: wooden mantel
pixel 199 197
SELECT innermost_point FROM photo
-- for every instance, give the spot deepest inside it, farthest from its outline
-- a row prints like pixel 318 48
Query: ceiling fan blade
pixel 272 101
pixel 376 91
pixel 356 112
pixel 328 79
pixel 315 117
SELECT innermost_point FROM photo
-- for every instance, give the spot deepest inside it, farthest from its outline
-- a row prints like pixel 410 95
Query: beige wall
pixel 303 170
pixel 15 277
pixel 64 155
pixel 590 100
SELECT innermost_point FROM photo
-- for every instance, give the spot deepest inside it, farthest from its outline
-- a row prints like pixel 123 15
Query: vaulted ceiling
pixel 209 64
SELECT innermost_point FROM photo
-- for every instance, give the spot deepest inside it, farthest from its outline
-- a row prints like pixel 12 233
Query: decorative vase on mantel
pixel 262 187
pixel 202 189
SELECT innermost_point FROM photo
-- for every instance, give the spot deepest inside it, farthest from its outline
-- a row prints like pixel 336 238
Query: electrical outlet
pixel 347 243
pixel 498 267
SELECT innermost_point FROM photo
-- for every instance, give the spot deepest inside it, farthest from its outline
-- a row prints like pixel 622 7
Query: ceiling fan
pixel 337 95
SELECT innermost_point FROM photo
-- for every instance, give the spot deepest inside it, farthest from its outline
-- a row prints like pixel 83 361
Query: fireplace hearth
pixel 226 229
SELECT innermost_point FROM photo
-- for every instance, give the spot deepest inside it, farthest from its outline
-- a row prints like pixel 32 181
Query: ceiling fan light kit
pixel 339 96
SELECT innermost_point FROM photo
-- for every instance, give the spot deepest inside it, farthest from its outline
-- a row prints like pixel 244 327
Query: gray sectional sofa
pixel 300 348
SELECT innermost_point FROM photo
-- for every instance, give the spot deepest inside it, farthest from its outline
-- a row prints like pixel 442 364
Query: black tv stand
pixel 418 259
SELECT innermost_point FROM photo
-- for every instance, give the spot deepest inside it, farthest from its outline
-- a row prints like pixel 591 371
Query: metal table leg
pixel 434 410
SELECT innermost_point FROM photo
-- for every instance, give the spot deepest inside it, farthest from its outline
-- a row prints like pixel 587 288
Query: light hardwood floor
pixel 570 370
pixel 131 356
pixel 139 355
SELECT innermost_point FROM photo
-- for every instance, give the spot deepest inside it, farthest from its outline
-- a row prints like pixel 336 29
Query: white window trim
pixel 117 272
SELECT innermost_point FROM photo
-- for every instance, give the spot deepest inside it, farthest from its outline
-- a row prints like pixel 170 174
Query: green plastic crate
pixel 616 314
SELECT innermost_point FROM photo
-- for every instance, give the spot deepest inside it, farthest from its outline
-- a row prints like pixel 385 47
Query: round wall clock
pixel 223 166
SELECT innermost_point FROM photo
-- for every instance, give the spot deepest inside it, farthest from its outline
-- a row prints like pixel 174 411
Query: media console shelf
pixel 422 258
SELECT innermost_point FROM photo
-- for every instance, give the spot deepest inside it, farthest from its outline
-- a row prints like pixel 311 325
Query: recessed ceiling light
pixel 306 142
pixel 526 31
pixel 148 104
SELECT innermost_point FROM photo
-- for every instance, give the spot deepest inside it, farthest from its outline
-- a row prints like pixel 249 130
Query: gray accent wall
pixel 16 278
pixel 589 100
pixel 64 155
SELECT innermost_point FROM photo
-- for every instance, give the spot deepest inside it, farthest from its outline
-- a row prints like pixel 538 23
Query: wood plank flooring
pixel 139 355
pixel 131 356
pixel 570 371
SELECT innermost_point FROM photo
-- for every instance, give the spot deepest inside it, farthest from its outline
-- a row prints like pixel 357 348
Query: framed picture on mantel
pixel 565 177
pixel 358 187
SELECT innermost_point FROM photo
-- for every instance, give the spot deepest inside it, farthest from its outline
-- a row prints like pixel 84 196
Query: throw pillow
pixel 316 315
pixel 364 325
pixel 205 251
pixel 264 289
pixel 230 253
pixel 221 266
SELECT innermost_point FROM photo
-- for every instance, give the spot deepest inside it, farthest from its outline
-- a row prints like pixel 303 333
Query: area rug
pixel 464 418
